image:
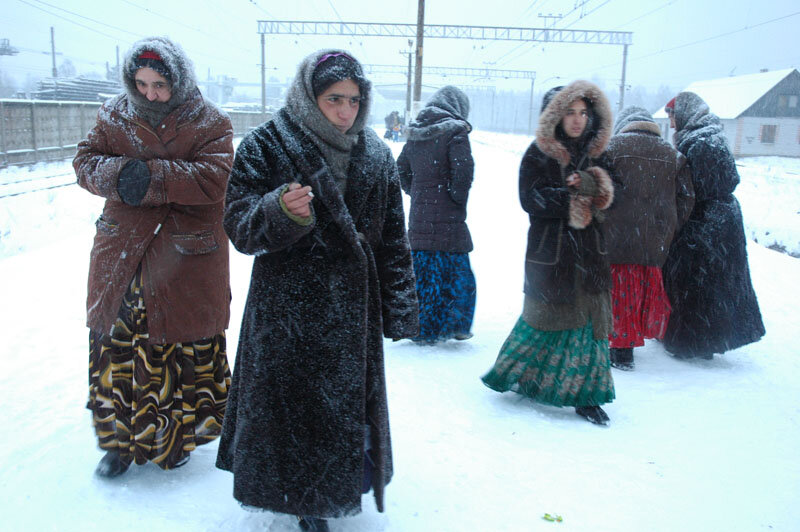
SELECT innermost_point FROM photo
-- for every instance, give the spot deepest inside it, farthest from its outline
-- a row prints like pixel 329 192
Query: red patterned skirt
pixel 640 307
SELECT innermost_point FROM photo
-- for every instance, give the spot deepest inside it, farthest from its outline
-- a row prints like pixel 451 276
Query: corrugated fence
pixel 37 130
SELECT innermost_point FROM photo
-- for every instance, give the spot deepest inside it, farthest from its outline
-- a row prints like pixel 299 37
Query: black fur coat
pixel 706 274
pixel 309 370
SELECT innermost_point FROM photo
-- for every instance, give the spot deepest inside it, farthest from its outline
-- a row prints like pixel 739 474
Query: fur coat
pixel 564 239
pixel 309 374
pixel 706 274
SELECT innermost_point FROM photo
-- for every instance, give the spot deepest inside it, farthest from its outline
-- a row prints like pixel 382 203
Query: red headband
pixel 147 54
pixel 670 105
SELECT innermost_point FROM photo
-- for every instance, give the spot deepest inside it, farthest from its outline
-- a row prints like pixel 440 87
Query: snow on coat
pixel 436 169
pixel 655 193
pixel 706 275
pixel 176 233
pixel 309 370
pixel 565 237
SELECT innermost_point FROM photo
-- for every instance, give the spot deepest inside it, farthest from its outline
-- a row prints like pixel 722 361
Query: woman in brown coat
pixel 159 293
pixel 654 201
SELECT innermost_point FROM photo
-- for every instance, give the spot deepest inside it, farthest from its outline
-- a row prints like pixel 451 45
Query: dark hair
pixel 334 67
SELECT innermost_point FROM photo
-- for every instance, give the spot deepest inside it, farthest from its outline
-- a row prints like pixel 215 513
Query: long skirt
pixel 446 293
pixel 640 307
pixel 154 402
pixel 559 368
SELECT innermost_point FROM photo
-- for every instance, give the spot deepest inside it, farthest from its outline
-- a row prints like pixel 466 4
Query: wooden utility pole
pixel 409 53
pixel 622 84
pixel 53 50
pixel 418 66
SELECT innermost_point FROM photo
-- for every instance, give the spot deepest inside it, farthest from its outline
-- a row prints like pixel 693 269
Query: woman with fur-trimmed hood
pixel 706 274
pixel 314 195
pixel 436 170
pixel 655 201
pixel 557 353
pixel 159 290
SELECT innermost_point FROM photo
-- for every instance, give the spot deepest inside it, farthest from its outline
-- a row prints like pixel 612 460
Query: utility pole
pixel 53 50
pixel 418 67
pixel 530 110
pixel 622 84
pixel 409 53
pixel 263 79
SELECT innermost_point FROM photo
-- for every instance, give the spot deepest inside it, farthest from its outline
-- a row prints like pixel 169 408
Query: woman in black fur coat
pixel 314 195
pixel 706 274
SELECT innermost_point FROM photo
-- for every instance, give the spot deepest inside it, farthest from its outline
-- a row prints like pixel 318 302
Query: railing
pixel 33 131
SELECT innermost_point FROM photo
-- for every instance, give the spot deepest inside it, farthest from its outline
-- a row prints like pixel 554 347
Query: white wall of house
pixel 767 136
pixel 745 136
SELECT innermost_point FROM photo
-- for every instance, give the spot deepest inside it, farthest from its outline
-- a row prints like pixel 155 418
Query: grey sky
pixel 675 42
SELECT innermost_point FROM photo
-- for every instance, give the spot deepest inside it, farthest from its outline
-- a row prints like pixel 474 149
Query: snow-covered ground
pixel 692 446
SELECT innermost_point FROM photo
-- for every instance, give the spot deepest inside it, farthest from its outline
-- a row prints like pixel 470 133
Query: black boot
pixel 111 465
pixel 595 414
pixel 622 358
pixel 312 524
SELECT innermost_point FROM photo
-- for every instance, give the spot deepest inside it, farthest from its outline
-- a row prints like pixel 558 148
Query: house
pixel 760 113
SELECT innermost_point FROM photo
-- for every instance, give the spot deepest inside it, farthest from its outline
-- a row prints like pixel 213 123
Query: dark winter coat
pixel 176 232
pixel 309 371
pixel 706 275
pixel 655 196
pixel 565 241
pixel 436 170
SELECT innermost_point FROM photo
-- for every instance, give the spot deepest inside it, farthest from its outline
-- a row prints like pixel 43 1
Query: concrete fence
pixel 32 131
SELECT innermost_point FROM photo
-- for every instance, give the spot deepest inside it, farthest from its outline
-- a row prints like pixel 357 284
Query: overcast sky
pixel 675 42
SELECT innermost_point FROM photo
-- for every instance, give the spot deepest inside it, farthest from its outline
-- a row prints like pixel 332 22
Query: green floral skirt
pixel 559 368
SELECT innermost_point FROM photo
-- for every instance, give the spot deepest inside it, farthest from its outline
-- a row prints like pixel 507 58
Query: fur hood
pixel 556 108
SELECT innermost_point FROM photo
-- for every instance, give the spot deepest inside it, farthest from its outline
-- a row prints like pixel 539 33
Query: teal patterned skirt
pixel 559 368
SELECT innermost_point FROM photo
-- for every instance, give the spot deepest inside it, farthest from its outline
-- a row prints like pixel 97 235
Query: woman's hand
pixel 297 198
pixel 574 180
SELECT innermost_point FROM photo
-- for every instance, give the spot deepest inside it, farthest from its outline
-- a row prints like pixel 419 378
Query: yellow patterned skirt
pixel 154 402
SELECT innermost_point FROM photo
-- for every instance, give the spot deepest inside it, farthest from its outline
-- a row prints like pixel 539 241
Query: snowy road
pixel 693 446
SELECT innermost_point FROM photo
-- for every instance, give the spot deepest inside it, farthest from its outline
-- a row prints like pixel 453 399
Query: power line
pixel 89 19
pixel 72 21
pixel 662 6
pixel 725 34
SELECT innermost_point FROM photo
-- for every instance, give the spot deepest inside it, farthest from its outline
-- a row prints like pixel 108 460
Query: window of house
pixel 768 133
pixel 787 100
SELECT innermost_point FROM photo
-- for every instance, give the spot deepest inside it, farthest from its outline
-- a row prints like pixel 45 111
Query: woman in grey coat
pixel 436 170
pixel 314 195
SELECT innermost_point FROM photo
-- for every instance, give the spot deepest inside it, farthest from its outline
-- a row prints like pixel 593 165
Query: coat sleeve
pixel 684 190
pixel 393 259
pixel 254 219
pixel 95 167
pixel 713 168
pixel 462 168
pixel 404 170
pixel 201 180
pixel 538 192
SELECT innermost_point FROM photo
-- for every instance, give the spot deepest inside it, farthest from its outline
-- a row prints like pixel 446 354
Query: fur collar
pixel 649 127
pixel 557 108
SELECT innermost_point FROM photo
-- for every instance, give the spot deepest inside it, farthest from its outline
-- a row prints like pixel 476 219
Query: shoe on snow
pixel 312 524
pixel 622 358
pixel 182 462
pixel 624 366
pixel 594 414
pixel 111 465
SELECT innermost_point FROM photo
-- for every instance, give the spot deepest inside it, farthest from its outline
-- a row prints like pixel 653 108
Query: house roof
pixel 730 97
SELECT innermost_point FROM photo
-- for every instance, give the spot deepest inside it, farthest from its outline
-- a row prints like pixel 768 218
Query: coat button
pixel 163 126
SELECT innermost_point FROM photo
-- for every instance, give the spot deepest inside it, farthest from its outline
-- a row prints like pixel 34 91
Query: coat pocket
pixel 546 248
pixel 195 243
pixel 107 226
